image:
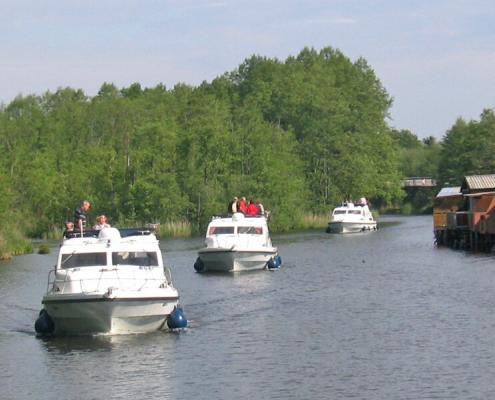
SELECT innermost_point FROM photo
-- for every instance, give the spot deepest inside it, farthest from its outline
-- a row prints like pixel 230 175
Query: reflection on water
pixel 379 315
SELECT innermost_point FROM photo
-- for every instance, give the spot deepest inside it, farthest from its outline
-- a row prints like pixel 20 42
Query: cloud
pixel 331 21
pixel 217 4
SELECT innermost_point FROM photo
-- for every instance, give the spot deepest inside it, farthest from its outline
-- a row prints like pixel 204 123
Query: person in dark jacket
pixel 69 228
pixel 80 215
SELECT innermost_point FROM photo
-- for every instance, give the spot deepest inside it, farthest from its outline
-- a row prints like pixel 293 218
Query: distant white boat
pixel 113 282
pixel 237 243
pixel 351 218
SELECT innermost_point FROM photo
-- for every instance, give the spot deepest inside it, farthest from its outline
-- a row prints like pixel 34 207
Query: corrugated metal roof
pixel 449 191
pixel 477 182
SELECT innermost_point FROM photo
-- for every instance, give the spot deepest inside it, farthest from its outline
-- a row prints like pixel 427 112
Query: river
pixel 380 315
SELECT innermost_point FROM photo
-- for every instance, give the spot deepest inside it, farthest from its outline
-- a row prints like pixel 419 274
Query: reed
pixel 314 221
pixel 43 249
pixel 175 229
pixel 54 232
pixel 13 243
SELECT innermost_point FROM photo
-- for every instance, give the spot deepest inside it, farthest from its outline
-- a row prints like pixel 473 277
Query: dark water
pixel 384 315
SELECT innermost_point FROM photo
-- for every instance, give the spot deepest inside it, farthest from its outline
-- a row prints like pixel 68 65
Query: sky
pixel 436 58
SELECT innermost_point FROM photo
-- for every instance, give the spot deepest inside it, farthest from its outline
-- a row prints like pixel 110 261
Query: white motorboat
pixel 112 281
pixel 351 218
pixel 237 243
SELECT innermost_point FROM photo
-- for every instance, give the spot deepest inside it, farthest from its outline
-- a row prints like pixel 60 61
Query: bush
pixel 43 249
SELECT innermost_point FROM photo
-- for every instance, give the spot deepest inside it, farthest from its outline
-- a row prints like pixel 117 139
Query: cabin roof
pixel 477 183
pixel 449 191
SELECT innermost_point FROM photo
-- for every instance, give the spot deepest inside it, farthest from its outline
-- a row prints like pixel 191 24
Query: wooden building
pixel 464 217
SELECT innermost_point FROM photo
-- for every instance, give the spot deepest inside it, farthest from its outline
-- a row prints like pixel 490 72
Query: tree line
pixel 300 134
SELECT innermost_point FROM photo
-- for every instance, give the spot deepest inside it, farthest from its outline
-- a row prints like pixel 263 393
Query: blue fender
pixel 44 324
pixel 199 266
pixel 177 319
pixel 274 262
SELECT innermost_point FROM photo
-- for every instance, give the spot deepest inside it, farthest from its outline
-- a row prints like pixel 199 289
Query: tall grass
pixel 13 243
pixel 54 232
pixel 175 229
pixel 314 221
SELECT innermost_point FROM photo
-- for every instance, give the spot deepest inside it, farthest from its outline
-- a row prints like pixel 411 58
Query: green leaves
pixel 468 149
pixel 299 135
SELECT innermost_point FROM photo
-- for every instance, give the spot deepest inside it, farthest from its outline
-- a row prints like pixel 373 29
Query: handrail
pixel 100 279
pixel 168 275
pixel 48 280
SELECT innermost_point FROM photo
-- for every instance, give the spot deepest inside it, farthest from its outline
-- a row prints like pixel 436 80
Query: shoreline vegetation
pixel 17 245
pixel 13 243
pixel 299 134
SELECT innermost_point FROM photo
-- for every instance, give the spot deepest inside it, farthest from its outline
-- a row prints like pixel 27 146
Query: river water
pixel 381 315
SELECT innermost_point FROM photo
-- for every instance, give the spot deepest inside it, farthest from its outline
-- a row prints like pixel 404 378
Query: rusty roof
pixel 478 182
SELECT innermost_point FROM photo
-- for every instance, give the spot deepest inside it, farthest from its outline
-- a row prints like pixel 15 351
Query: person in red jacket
pixel 252 208
pixel 242 206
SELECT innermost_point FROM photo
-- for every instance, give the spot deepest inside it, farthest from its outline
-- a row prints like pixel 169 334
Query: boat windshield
pixel 141 258
pixel 254 230
pixel 76 260
pixel 220 230
pixel 358 212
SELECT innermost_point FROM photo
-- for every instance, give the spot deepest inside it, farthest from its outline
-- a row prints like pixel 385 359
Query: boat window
pixel 337 212
pixel 76 260
pixel 141 258
pixel 254 230
pixel 221 230
pixel 358 212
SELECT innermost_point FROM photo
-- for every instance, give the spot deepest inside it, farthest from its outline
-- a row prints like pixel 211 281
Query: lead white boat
pixel 351 218
pixel 237 243
pixel 112 283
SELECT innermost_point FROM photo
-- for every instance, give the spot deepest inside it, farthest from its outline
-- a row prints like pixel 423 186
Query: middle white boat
pixel 237 243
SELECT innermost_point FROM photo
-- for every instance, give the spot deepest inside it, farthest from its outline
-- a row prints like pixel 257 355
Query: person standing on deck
pixel 232 206
pixel 69 228
pixel 80 215
pixel 242 206
pixel 261 209
pixel 252 209
pixel 102 223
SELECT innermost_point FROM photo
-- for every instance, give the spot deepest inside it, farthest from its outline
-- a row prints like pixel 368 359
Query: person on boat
pixel 232 206
pixel 362 202
pixel 242 205
pixel 252 208
pixel 80 215
pixel 261 209
pixel 69 228
pixel 102 223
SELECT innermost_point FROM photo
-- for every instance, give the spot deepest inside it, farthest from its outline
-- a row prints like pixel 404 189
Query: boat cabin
pixel 351 211
pixel 237 230
pixel 129 260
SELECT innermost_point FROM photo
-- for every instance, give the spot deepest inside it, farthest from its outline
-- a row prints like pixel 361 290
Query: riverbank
pixel 13 243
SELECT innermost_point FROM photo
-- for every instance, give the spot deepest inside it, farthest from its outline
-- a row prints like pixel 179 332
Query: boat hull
pixel 230 260
pixel 351 227
pixel 93 314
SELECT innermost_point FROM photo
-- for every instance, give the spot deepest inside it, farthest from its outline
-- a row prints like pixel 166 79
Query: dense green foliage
pixel 300 135
pixel 468 149
pixel 419 158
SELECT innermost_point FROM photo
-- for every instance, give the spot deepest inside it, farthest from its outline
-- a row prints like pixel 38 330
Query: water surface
pixel 380 315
